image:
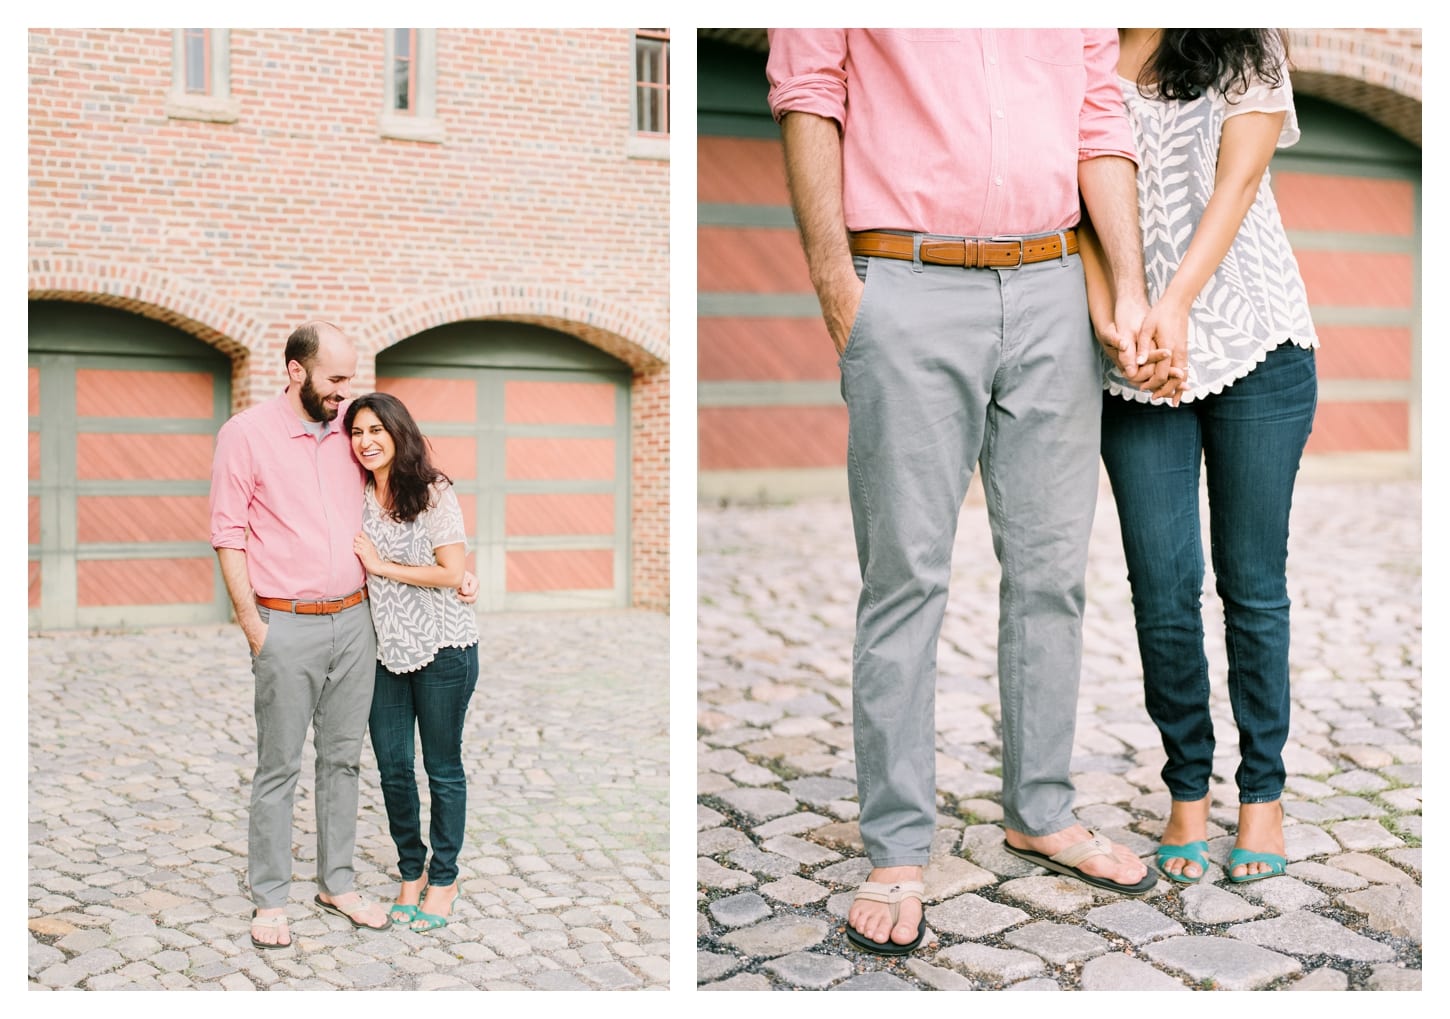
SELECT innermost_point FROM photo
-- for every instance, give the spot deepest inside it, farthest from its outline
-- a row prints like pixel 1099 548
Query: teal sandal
pixel 429 921
pixel 402 913
pixel 1239 857
pixel 1193 852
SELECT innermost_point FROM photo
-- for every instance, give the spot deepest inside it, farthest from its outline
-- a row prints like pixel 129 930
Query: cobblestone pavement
pixel 141 754
pixel 780 853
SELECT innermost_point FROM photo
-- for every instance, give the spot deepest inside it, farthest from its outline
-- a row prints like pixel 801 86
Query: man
pixel 935 178
pixel 286 503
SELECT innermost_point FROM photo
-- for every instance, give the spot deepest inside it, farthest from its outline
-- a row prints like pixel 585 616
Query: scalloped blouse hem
pixel 1139 396
pixel 404 670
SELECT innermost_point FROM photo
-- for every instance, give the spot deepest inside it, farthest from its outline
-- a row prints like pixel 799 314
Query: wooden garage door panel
pixel 144 582
pixel 528 402
pixel 455 455
pixel 34 532
pixel 143 394
pixel 108 518
pixel 434 399
pixel 145 457
pixel 33 454
pixel 531 459
pixel 34 584
pixel 34 398
pixel 562 514
pixel 468 506
pixel 589 570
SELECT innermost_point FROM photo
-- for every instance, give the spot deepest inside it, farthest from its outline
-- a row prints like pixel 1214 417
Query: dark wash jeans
pixel 435 699
pixel 1249 438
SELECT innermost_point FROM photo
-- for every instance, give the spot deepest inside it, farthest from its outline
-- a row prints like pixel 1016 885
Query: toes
pixel 903 933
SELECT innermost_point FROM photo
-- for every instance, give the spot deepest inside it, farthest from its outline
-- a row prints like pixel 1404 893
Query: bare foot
pixel 1261 830
pixel 409 892
pixel 1187 822
pixel 1122 867
pixel 270 932
pixel 873 919
pixel 361 912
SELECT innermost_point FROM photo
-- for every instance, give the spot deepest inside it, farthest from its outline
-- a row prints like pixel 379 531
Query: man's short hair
pixel 302 344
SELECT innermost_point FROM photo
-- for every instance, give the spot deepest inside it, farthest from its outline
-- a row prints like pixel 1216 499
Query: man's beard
pixel 316 408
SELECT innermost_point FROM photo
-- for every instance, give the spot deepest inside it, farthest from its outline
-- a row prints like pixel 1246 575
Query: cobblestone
pixel 142 746
pixel 778 587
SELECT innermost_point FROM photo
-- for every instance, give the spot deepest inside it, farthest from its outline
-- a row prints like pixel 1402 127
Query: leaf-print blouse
pixel 414 622
pixel 1255 299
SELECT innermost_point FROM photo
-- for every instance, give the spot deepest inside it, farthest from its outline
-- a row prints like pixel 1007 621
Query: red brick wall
pixel 530 208
pixel 650 485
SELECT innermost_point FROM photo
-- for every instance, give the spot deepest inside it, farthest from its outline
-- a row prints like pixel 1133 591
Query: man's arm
pixel 234 572
pixel 1109 186
pixel 813 173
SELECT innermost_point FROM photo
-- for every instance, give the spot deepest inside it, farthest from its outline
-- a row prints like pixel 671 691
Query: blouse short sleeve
pixel 1261 97
pixel 444 518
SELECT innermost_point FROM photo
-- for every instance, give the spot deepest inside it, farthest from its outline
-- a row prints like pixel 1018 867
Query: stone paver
pixel 1298 930
pixel 142 746
pixel 778 587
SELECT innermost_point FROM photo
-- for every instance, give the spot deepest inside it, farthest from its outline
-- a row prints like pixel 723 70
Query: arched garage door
pixel 123 412
pixel 533 428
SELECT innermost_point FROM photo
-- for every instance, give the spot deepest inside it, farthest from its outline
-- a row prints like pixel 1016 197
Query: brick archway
pixel 1375 72
pixel 180 303
pixel 617 331
pixel 188 306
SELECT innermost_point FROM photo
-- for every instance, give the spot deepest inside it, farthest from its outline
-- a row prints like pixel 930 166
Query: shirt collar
pixel 294 423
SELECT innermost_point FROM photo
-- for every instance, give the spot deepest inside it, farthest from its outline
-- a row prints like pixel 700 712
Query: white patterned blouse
pixel 414 622
pixel 1255 300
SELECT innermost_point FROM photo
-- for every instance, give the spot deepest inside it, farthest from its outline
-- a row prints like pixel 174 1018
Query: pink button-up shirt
pixel 962 132
pixel 292 503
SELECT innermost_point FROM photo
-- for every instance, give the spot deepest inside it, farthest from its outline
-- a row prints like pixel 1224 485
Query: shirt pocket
pixel 1059 47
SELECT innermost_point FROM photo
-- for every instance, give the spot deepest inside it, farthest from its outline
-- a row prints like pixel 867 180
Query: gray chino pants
pixel 318 671
pixel 947 368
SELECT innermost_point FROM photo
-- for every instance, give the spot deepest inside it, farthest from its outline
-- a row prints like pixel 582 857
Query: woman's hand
pixel 468 590
pixel 365 551
pixel 1165 334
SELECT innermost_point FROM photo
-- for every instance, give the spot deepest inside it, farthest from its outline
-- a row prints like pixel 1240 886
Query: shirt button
pixel 991 60
pixel 998 181
pixel 999 114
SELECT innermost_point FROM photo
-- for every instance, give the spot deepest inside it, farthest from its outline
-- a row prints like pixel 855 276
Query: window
pixel 201 76
pixel 652 81
pixel 405 65
pixel 651 102
pixel 410 70
pixel 194 53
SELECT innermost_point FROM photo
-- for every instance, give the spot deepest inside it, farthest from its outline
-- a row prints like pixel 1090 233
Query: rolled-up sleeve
pixel 231 488
pixel 1103 128
pixel 807 72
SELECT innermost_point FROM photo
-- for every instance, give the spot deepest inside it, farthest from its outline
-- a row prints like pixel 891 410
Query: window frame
pixel 420 121
pixel 649 144
pixel 216 104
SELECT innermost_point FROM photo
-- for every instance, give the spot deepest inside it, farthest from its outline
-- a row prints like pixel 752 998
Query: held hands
pixel 1163 352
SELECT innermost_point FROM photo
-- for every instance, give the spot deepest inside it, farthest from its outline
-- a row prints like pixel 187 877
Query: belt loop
pixel 1062 247
pixel 916 253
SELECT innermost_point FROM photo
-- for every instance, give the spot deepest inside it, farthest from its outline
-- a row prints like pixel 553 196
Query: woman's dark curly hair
pixel 1190 61
pixel 412 472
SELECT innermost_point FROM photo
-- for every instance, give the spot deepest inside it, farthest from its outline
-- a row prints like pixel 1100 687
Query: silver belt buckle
pixel 1021 250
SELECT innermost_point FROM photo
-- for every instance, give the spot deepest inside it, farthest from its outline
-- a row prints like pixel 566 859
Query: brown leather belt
pixel 970 252
pixel 314 608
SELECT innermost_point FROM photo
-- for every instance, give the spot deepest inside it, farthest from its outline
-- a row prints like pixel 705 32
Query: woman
pixel 413 546
pixel 1230 381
